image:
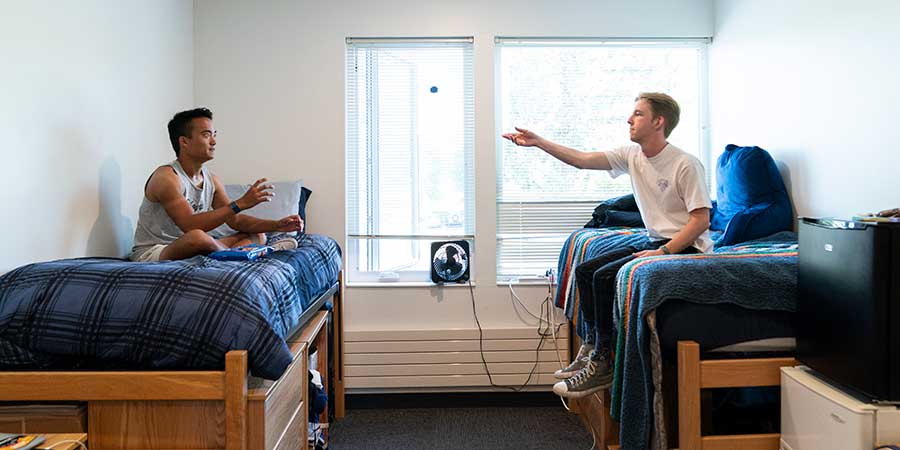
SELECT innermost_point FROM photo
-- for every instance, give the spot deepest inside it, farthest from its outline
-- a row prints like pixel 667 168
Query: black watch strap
pixel 665 250
pixel 234 207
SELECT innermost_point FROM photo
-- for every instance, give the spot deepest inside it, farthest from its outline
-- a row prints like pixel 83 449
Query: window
pixel 410 149
pixel 579 93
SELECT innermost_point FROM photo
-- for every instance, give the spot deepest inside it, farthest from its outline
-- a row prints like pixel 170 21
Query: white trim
pixel 423 237
pixel 706 151
pixel 444 334
pixel 405 284
pixel 605 41
pixel 443 381
pixel 374 359
pixel 380 41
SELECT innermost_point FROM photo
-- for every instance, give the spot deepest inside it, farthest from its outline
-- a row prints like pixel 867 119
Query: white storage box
pixel 818 416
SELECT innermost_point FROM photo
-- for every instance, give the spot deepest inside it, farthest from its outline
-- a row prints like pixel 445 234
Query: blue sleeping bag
pixel 752 201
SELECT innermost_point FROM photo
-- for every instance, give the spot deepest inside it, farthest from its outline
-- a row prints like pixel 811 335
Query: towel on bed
pixel 755 275
pixel 115 314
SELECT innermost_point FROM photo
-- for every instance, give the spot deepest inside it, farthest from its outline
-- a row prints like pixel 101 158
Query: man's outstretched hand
pixel 523 137
pixel 259 192
pixel 290 224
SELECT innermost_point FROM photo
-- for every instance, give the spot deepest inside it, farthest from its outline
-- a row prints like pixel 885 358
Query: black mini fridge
pixel 848 305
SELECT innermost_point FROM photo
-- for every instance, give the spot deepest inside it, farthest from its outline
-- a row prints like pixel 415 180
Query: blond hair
pixel 662 105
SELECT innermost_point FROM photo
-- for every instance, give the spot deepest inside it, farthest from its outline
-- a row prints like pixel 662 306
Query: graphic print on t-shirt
pixel 663 184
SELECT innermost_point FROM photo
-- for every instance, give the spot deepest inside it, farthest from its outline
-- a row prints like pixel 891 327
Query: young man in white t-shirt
pixel 672 196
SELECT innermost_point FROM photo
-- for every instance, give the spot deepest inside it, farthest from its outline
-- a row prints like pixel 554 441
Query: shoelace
pixel 582 355
pixel 583 374
pixel 583 352
pixel 576 363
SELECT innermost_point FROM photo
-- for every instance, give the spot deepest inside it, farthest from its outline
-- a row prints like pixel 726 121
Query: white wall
pixel 817 84
pixel 273 73
pixel 86 88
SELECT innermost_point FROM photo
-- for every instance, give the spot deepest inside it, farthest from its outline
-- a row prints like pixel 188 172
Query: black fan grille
pixel 450 261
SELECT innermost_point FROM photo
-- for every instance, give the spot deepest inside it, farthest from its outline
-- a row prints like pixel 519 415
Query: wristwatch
pixel 665 250
pixel 234 207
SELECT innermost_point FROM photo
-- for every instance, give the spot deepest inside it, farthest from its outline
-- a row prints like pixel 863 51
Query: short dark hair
pixel 180 125
pixel 662 105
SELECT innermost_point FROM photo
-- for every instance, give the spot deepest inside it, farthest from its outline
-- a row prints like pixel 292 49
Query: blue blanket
pixel 755 275
pixel 583 245
pixel 91 313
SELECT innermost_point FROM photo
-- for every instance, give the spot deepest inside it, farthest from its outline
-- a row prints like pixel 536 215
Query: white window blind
pixel 410 147
pixel 579 93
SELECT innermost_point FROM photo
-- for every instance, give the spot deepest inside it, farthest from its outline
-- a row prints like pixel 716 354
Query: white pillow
pixel 285 202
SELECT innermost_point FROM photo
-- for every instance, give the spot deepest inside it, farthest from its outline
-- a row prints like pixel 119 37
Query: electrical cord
pixel 561 364
pixel 550 330
pixel 522 305
pixel 556 326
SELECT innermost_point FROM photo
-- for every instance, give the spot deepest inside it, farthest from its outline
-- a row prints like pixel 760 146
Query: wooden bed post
pixel 236 400
pixel 337 347
pixel 689 396
pixel 695 374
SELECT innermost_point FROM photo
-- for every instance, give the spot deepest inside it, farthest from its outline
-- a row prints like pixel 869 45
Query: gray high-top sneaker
pixel 576 365
pixel 595 376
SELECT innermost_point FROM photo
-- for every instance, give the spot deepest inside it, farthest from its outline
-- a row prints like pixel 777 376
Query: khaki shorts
pixel 151 254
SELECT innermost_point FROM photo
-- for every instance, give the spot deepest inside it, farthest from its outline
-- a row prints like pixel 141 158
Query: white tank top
pixel 154 225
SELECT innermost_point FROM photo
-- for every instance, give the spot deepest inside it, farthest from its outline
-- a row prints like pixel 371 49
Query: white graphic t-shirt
pixel 667 187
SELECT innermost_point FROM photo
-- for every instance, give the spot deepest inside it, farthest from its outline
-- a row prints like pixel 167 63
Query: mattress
pixel 113 314
pixel 723 328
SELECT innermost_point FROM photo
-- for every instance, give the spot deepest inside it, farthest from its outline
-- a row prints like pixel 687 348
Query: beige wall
pixel 817 84
pixel 87 87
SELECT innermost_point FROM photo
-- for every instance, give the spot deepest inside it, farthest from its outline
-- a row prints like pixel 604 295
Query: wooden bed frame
pixel 695 374
pixel 144 410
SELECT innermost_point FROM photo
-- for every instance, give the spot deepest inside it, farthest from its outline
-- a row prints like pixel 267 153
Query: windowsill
pixel 526 282
pixel 405 284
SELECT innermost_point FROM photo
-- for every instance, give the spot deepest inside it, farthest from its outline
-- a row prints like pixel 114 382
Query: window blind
pixel 409 152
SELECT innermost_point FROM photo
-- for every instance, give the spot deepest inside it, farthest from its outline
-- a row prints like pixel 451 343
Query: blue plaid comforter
pixel 90 313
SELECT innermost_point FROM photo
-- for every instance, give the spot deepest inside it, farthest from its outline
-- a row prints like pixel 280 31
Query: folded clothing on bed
pixel 117 314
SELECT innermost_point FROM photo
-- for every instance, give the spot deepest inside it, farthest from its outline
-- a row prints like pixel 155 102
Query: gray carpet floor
pixel 494 428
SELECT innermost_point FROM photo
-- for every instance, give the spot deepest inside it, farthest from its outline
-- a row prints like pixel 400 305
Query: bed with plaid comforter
pixel 113 314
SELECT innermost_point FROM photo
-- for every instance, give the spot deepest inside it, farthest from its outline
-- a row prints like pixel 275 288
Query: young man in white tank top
pixel 670 189
pixel 183 201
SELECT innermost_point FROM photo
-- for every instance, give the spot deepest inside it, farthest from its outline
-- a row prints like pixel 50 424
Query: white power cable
pixel 539 318
pixel 554 328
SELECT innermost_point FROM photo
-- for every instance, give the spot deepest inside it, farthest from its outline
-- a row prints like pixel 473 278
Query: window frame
pixel 355 239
